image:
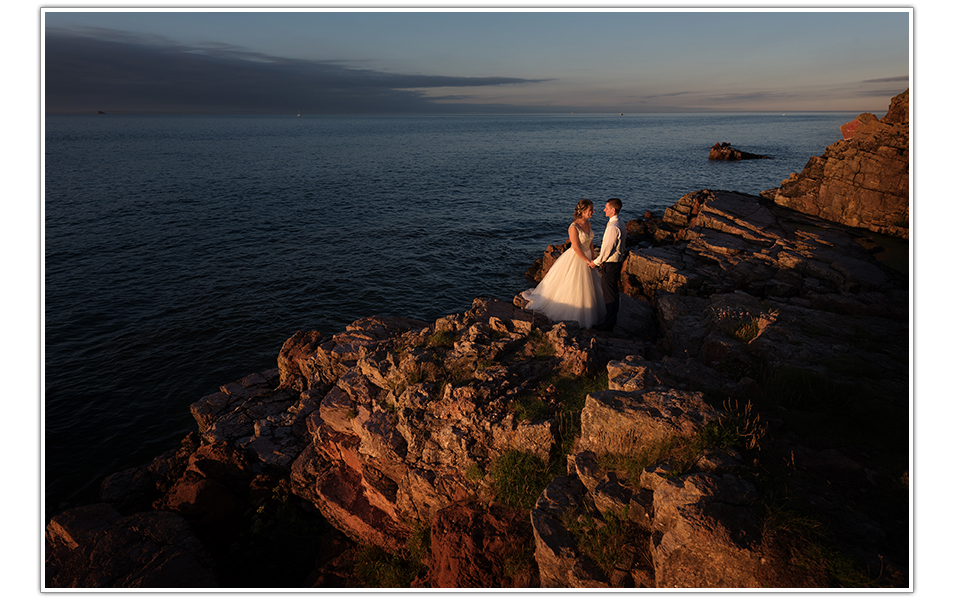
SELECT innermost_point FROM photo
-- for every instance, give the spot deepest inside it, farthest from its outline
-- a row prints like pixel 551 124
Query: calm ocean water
pixel 181 252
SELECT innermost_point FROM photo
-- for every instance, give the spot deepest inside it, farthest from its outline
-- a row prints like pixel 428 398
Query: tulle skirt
pixel 570 291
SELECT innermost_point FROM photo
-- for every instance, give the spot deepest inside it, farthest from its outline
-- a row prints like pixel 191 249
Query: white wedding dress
pixel 571 290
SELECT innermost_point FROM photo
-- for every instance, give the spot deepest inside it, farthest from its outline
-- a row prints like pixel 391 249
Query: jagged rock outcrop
pixel 860 181
pixel 398 431
pixel 700 528
pixel 726 241
pixel 706 532
pixel 746 285
pixel 393 424
pixel 725 151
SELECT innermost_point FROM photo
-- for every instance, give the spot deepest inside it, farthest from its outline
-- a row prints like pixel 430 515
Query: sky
pixel 440 61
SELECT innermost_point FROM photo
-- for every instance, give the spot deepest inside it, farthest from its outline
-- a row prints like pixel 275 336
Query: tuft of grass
pixel 521 561
pixel 377 568
pixel 852 366
pixel 540 344
pixel 561 395
pixel 571 390
pixel 601 538
pixel 747 330
pixel 474 473
pixel 418 546
pixel 530 407
pixel 384 404
pixel 678 452
pixel 864 340
pixel 441 339
pixel 804 389
pixel 519 478
pixel 571 393
pixel 799 541
pixel 742 325
pixel 415 374
pixel 738 428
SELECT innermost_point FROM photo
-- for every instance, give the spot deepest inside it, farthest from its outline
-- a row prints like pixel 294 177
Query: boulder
pixel 96 547
pixel 561 563
pixel 136 489
pixel 616 422
pixel 705 532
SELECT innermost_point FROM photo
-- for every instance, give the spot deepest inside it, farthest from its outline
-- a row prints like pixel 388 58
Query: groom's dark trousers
pixel 609 279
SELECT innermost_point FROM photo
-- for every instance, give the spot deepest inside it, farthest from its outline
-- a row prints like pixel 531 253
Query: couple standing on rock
pixel 582 286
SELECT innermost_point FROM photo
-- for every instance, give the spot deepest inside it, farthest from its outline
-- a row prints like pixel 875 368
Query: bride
pixel 571 290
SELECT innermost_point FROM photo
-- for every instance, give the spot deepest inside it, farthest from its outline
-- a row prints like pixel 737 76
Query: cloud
pixel 887 79
pixel 669 95
pixel 112 71
pixel 879 93
pixel 747 97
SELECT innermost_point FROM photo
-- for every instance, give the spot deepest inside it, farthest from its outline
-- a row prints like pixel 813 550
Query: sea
pixel 180 252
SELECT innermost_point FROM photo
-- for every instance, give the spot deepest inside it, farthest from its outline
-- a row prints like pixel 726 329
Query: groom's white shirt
pixel 611 248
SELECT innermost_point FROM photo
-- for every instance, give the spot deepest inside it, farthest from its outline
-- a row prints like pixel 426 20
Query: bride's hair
pixel 580 207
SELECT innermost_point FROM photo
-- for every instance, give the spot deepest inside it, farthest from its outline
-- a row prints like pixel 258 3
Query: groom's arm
pixel 606 248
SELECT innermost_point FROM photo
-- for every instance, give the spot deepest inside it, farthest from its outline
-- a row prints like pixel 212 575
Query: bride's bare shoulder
pixel 585 227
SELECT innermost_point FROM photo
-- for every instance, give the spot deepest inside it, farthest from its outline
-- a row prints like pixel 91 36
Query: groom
pixel 610 262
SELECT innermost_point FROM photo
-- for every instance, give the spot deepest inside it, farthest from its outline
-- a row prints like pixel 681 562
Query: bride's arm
pixel 575 242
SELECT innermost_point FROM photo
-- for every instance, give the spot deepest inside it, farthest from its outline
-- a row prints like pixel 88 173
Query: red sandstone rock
pixel 863 123
pixel 861 181
pixel 477 547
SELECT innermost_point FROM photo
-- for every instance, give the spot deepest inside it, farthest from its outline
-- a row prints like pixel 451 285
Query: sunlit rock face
pixel 411 412
pixel 860 181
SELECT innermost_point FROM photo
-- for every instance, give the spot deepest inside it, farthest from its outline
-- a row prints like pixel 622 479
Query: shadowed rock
pixel 96 547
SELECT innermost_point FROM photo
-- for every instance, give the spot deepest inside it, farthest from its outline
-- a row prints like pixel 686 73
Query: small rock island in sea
pixel 744 426
pixel 725 151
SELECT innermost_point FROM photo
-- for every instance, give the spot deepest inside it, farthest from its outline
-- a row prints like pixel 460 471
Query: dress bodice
pixel 585 239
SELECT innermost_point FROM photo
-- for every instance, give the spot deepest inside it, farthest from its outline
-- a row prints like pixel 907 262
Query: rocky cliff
pixel 861 181
pixel 744 426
